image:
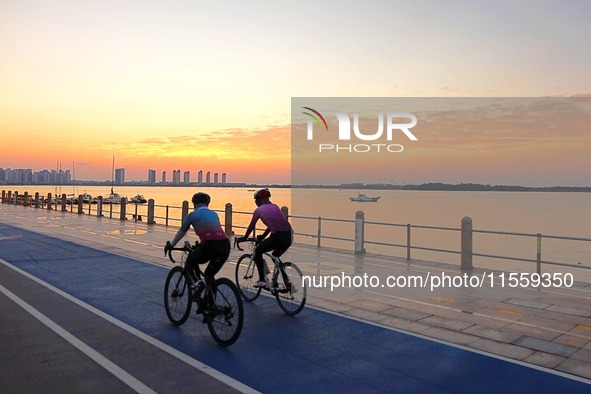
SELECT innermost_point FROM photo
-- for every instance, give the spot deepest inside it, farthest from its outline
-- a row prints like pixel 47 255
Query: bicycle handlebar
pixel 237 243
pixel 168 250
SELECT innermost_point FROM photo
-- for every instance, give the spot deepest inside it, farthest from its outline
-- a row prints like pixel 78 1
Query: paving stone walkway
pixel 549 327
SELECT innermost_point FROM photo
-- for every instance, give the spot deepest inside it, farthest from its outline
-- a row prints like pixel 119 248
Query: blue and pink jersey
pixel 206 224
pixel 271 216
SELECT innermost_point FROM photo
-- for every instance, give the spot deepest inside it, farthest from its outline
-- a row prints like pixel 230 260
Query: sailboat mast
pixel 113 174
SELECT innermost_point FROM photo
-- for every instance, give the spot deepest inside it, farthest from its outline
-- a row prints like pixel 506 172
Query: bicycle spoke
pixel 227 315
pixel 177 297
pixel 291 295
pixel 246 276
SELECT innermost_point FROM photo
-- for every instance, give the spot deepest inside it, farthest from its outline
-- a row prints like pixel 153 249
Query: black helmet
pixel 201 198
pixel 262 193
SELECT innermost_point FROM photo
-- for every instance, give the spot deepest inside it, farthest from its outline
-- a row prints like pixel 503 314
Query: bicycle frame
pixel 221 304
pixel 289 289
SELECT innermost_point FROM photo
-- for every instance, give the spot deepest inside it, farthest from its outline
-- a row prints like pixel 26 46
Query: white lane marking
pixel 153 341
pixel 78 344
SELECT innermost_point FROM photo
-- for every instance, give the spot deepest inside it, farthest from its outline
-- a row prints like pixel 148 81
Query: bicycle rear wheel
pixel 226 315
pixel 246 274
pixel 291 290
pixel 177 296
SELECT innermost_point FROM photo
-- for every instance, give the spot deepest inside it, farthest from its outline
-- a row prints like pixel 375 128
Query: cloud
pixel 228 144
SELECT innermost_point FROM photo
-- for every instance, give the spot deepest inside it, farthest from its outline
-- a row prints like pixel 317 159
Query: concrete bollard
pixel 49 202
pixel 3 196
pixel 319 232
pixel 123 213
pixel 408 244
pixel 15 197
pixel 285 211
pixel 36 199
pixel 80 205
pixel 26 199
pixel 466 241
pixel 228 219
pixel 64 209
pixel 359 232
pixel 10 197
pixel 185 210
pixel 539 253
pixel 151 211
pixel 99 207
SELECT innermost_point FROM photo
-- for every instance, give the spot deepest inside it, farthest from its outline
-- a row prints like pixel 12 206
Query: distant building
pixel 223 178
pixel 208 178
pixel 200 177
pixel 176 176
pixel 119 176
pixel 151 177
pixel 186 176
pixel 215 178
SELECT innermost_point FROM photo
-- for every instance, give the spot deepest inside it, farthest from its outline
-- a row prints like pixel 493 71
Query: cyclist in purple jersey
pixel 280 229
pixel 214 246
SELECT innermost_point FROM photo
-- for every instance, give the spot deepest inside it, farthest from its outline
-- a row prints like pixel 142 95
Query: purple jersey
pixel 271 216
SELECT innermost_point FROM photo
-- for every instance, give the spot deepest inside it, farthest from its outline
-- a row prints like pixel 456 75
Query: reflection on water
pixel 128 232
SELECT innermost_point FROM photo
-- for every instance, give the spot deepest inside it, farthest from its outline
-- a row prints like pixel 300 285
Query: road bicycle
pixel 219 302
pixel 285 282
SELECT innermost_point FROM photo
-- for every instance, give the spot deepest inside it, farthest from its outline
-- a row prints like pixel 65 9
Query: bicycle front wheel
pixel 291 290
pixel 177 296
pixel 226 315
pixel 246 277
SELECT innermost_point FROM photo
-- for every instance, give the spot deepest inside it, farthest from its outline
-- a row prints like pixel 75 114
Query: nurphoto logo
pixel 393 124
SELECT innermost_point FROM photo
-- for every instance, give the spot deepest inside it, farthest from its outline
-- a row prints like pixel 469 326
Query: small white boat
pixel 86 198
pixel 113 198
pixel 138 199
pixel 364 198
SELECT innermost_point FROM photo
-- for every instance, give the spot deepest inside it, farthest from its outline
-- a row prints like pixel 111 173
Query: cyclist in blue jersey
pixel 277 224
pixel 214 245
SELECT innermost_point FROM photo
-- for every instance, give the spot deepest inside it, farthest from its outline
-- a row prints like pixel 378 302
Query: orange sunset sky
pixel 207 86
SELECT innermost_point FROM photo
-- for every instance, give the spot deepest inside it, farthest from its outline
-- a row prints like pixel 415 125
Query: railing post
pixel 36 199
pixel 99 206
pixel 122 214
pixel 49 202
pixel 80 205
pixel 408 244
pixel 228 219
pixel 285 211
pixel 3 196
pixel 9 197
pixel 151 211
pixel 26 199
pixel 466 241
pixel 539 254
pixel 166 217
pixel 359 232
pixel 319 231
pixel 15 197
pixel 64 209
pixel 185 210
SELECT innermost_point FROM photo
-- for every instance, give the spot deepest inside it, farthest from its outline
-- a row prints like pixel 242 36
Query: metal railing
pixel 166 214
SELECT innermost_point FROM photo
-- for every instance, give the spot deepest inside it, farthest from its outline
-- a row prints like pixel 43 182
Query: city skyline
pixel 45 176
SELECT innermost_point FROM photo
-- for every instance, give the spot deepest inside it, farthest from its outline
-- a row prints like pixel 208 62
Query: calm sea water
pixel 561 214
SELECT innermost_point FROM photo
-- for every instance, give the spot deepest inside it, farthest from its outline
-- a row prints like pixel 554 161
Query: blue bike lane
pixel 315 351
